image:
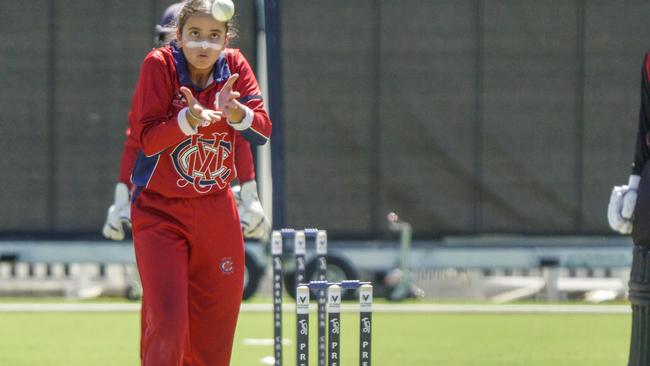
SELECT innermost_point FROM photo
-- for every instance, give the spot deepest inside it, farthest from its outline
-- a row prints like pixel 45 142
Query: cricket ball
pixel 223 10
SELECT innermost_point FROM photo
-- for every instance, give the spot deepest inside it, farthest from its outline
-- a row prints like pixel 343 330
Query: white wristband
pixel 633 183
pixel 246 122
pixel 184 125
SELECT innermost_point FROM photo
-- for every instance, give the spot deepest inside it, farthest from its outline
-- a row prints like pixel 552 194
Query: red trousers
pixel 190 255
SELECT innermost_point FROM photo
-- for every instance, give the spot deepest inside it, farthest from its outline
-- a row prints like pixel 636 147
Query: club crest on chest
pixel 200 162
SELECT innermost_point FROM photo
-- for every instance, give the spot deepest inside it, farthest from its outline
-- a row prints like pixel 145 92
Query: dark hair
pixel 193 7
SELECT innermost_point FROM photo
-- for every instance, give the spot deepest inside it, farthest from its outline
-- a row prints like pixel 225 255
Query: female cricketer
pixel 254 223
pixel 194 101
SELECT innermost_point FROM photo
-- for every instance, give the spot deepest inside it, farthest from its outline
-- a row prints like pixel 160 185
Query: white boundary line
pixel 376 308
pixel 68 308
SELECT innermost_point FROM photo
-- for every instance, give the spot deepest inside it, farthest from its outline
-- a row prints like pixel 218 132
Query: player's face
pixel 202 39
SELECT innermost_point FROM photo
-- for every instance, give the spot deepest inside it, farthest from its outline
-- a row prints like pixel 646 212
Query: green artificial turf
pixel 88 339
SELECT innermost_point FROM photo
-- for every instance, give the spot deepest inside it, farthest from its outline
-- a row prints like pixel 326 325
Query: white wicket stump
pixel 300 250
pixel 365 326
pixel 302 326
pixel 276 253
pixel 321 257
pixel 334 325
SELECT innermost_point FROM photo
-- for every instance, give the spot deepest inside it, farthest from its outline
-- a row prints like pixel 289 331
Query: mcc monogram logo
pixel 200 162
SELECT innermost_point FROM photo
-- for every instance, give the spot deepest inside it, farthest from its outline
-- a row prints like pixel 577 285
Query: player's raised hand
pixel 227 100
pixel 199 114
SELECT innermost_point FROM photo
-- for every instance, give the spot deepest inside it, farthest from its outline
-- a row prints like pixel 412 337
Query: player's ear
pixel 230 34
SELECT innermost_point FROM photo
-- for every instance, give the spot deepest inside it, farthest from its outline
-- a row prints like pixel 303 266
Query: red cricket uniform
pixel 243 159
pixel 129 155
pixel 186 230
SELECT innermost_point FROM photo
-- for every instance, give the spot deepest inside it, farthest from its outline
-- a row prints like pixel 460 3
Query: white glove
pixel 119 214
pixel 621 205
pixel 254 223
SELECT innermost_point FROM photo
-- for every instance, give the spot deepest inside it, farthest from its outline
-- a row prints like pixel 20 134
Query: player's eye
pixel 215 35
pixel 194 33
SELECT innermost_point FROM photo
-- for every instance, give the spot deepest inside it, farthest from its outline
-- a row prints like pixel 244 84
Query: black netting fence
pixel 464 116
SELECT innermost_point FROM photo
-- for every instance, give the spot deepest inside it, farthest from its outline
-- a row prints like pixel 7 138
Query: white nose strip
pixel 203 45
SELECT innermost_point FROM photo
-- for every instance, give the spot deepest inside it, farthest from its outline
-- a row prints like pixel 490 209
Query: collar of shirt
pixel 221 71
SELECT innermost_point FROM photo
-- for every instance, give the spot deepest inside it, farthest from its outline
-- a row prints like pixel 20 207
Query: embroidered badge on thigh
pixel 227 265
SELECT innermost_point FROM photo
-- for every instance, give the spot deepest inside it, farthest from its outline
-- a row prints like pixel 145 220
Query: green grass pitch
pixel 103 339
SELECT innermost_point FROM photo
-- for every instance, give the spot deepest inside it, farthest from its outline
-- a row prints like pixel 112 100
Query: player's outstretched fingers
pixel 234 95
pixel 211 116
pixel 226 93
pixel 221 104
pixel 208 116
pixel 189 97
pixel 232 102
pixel 192 103
pixel 230 82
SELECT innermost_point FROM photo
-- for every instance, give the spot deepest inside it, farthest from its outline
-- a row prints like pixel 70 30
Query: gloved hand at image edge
pixel 621 205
